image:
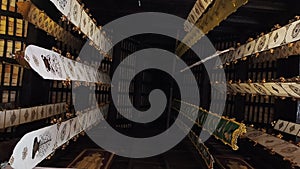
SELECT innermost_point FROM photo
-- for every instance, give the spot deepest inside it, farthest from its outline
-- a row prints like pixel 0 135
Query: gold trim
pixel 28 9
pixel 219 11
pixel 236 134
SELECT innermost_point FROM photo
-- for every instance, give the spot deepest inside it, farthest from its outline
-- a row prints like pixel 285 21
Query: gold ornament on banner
pixel 228 138
pixel 219 11
pixel 38 18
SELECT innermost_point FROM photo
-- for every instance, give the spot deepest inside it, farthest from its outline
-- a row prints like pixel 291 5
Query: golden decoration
pixel 235 135
pixel 219 11
pixel 279 136
pixel 29 11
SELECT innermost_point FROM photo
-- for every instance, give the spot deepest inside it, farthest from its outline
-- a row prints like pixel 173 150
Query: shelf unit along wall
pixel 121 51
pixel 13 33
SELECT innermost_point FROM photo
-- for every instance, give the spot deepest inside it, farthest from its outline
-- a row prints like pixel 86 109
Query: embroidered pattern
pixel 261 43
pixel 62 3
pixel 295 89
pixel 275 38
pixel 13 118
pixel 24 153
pixel 296 31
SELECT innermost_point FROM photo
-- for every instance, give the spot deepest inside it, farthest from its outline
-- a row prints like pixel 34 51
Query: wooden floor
pixel 183 156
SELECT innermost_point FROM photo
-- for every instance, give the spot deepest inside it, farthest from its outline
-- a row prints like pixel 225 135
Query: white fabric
pixel 281 125
pixel 262 43
pixel 2 119
pixel 287 88
pixel 40 112
pixel 239 53
pixel 237 88
pixel 52 65
pixel 96 37
pixel 64 6
pixel 277 37
pixel 292 125
pixel 12 118
pixel 84 22
pixel 276 89
pixel 15 117
pixel 23 114
pixel 75 13
pixel 287 150
pixel 23 154
pixel 92 30
pixel 48 139
pixel 50 110
pixel 247 88
pixel 255 86
pixel 63 133
pixel 250 46
pixel 74 127
pixel 293 33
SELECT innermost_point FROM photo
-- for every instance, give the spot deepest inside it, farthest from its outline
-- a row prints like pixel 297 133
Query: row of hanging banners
pixel 218 11
pixel 287 127
pixel 37 145
pixel 53 66
pixel 15 117
pixel 226 130
pixel 76 15
pixel 276 145
pixel 274 45
pixel 197 11
pixel 282 89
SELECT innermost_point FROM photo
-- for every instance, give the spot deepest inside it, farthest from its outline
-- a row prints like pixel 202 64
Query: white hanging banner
pixel 249 49
pixel 84 22
pixel 34 147
pixel 247 88
pixel 92 30
pixel 198 9
pixel 96 37
pixel 262 43
pixel 276 89
pixel 64 6
pixel 53 66
pixel 259 88
pixel 63 134
pixel 277 38
pixel 2 119
pixel 281 125
pixel 45 62
pixel 41 112
pixel 293 33
pixel 287 150
pixel 293 89
pixel 12 118
pixel 50 110
pixel 57 109
pixel 69 67
pixel 292 129
pixel 239 53
pixel 75 13
pixel 74 127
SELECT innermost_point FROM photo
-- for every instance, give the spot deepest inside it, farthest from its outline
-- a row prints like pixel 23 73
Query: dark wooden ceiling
pixel 255 17
pixel 250 20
